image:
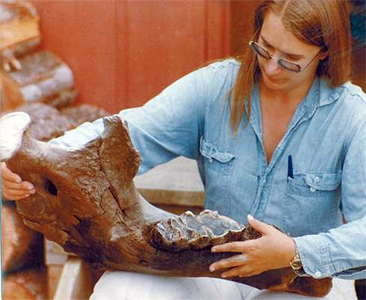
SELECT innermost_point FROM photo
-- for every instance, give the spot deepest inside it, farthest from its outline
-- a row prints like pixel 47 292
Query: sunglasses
pixel 283 63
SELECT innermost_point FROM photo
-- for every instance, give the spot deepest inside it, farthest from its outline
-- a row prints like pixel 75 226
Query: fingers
pixel 248 245
pixel 23 186
pixel 256 255
pixel 240 246
pixel 17 192
pixel 238 265
pixel 259 226
pixel 15 195
pixel 242 271
pixel 8 175
pixel 13 186
pixel 233 261
pixel 12 191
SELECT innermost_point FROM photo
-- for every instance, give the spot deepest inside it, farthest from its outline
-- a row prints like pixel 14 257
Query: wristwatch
pixel 296 265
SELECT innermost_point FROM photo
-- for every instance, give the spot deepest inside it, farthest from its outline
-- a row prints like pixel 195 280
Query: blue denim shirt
pixel 326 140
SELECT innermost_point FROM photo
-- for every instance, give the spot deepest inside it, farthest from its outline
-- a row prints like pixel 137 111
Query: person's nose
pixel 272 66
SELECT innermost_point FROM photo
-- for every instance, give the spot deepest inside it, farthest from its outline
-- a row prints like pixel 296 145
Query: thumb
pixel 258 225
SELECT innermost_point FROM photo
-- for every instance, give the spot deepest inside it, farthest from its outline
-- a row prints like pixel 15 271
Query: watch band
pixel 297 266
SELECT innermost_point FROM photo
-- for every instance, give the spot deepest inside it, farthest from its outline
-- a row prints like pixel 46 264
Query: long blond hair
pixel 323 23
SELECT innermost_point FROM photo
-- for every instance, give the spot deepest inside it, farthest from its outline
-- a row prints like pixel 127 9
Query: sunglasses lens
pixel 289 66
pixel 260 51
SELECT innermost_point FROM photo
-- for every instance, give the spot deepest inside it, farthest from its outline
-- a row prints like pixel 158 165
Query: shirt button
pixel 317 274
pixel 312 189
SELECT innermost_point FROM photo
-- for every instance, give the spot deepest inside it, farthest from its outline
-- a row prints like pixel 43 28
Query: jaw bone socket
pixel 50 187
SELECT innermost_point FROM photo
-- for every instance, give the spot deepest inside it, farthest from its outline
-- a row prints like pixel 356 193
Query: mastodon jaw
pixel 12 127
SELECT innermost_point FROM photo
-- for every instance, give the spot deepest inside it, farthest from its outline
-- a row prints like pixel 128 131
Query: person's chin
pixel 274 84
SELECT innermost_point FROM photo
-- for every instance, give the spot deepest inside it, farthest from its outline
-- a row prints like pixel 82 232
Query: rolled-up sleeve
pixel 341 252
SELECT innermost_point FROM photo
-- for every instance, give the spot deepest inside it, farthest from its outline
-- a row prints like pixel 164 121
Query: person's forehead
pixel 281 39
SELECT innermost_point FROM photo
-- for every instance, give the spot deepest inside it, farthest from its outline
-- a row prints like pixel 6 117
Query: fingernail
pixel 250 217
pixel 223 276
pixel 213 249
pixel 18 180
pixel 212 268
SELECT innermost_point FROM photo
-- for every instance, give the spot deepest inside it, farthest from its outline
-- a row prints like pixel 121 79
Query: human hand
pixel 13 186
pixel 273 250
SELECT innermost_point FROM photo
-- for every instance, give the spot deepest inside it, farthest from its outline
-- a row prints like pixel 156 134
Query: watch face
pixel 296 263
pixel 297 267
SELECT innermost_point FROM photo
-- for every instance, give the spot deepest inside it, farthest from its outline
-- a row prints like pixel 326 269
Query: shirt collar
pixel 320 94
pixel 311 100
pixel 328 94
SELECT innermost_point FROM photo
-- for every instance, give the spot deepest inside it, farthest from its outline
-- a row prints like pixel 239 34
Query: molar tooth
pixel 189 213
pixel 208 231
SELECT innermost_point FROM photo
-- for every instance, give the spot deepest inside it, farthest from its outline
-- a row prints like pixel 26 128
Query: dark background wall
pixel 123 53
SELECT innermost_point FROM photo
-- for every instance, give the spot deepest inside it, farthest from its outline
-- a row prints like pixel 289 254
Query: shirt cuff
pixel 314 253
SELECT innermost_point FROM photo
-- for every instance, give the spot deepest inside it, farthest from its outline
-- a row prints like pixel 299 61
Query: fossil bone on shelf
pixel 86 201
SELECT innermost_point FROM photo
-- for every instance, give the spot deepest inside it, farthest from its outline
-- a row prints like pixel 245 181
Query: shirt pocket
pixel 313 185
pixel 215 159
pixel 312 202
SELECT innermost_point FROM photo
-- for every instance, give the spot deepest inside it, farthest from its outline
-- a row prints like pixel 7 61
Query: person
pixel 279 134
